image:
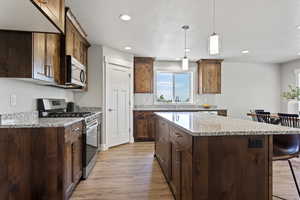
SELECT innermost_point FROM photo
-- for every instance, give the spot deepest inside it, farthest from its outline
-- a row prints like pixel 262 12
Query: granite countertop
pixel 41 123
pixel 175 108
pixel 203 124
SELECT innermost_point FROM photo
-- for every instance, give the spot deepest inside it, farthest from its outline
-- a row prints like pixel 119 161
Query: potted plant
pixel 293 96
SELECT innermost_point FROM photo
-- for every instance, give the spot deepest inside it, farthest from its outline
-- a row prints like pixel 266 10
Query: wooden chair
pixel 286 147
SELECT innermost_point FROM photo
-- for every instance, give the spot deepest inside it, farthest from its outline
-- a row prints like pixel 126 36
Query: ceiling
pixel 267 28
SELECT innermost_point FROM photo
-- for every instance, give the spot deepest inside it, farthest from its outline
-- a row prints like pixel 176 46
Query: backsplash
pixel 148 99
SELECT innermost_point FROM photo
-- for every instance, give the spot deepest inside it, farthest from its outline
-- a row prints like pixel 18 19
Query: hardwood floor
pixel 125 172
pixel 130 172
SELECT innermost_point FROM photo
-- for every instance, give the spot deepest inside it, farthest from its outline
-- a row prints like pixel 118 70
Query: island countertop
pixel 203 124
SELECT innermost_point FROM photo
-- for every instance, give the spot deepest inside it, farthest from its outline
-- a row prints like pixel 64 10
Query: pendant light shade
pixel 185 63
pixel 185 60
pixel 214 44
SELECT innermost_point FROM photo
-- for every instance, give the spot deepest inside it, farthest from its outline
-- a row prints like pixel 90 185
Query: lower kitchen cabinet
pixel 40 163
pixel 144 126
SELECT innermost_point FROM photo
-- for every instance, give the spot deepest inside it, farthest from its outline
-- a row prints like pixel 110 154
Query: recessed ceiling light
pixel 298 54
pixel 245 51
pixel 298 27
pixel 125 17
pixel 127 48
pixel 187 50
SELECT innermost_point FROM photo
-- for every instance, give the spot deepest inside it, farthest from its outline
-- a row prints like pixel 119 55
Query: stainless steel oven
pixel 76 72
pixel 91 138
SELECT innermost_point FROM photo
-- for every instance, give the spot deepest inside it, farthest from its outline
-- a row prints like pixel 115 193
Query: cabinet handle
pixel 43 1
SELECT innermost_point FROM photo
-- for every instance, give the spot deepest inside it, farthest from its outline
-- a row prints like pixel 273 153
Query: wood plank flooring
pixel 130 172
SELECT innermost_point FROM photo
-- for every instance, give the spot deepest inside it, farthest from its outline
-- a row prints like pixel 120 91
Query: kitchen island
pixel 210 157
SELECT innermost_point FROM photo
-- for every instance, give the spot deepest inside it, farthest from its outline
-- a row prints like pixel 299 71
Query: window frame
pixel 173 99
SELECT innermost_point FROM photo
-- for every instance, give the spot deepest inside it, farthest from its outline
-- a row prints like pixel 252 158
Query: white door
pixel 118 105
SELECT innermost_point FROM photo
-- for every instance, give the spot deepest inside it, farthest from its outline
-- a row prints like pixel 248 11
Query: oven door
pixel 91 141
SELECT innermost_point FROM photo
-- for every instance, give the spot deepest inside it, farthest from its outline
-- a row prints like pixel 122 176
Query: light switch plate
pixel 13 100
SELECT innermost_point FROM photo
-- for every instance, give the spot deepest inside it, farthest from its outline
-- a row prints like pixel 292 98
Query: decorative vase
pixel 293 106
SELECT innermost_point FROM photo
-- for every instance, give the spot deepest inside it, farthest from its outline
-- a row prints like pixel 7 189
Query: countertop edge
pixel 232 133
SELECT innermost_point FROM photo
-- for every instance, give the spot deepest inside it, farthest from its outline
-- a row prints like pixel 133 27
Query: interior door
pixel 118 105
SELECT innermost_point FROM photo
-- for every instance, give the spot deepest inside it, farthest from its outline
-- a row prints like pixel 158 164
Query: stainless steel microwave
pixel 76 73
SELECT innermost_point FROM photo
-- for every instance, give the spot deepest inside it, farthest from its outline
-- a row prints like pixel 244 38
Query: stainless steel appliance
pixel 76 72
pixel 56 108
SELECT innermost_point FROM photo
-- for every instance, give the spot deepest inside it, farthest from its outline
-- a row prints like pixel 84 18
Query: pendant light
pixel 214 38
pixel 185 60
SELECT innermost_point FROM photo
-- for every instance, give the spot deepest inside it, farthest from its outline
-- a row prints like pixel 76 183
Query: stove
pixel 57 108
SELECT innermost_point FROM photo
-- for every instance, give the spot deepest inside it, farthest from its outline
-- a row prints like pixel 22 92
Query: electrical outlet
pixel 13 100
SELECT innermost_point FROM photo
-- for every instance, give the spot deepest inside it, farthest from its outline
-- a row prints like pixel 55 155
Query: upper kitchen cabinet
pixel 209 73
pixel 31 56
pixel 54 10
pixel 75 50
pixel 33 15
pixel 143 75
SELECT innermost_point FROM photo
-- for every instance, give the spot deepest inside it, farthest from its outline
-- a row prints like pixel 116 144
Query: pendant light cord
pixel 214 15
pixel 185 43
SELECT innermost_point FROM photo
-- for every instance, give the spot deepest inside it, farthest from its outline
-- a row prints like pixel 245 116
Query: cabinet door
pixel 163 147
pixel 175 174
pixel 69 38
pixel 140 126
pixel 77 159
pixel 77 42
pixel 39 56
pixel 54 10
pixel 210 76
pixel 143 75
pixel 151 126
pixel 68 165
pixel 53 57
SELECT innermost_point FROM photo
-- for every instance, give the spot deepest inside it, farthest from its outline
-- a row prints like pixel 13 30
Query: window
pixel 173 87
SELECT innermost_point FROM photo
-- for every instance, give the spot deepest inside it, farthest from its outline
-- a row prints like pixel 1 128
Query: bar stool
pixel 286 147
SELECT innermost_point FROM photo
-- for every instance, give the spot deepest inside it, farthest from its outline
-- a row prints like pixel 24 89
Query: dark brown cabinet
pixel 30 55
pixel 46 162
pixel 209 76
pixel 144 126
pixel 75 39
pixel 73 158
pixel 46 58
pixel 213 167
pixel 54 10
pixel 143 75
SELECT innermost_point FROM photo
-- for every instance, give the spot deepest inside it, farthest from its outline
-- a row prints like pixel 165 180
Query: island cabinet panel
pixel 54 10
pixel 39 163
pixel 163 147
pixel 209 72
pixel 143 75
pixel 228 168
pixel 214 167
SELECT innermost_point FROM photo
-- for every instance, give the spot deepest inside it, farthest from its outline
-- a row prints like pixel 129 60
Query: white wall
pixel 93 97
pixel 248 86
pixel 26 94
pixel 245 86
pixel 288 77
